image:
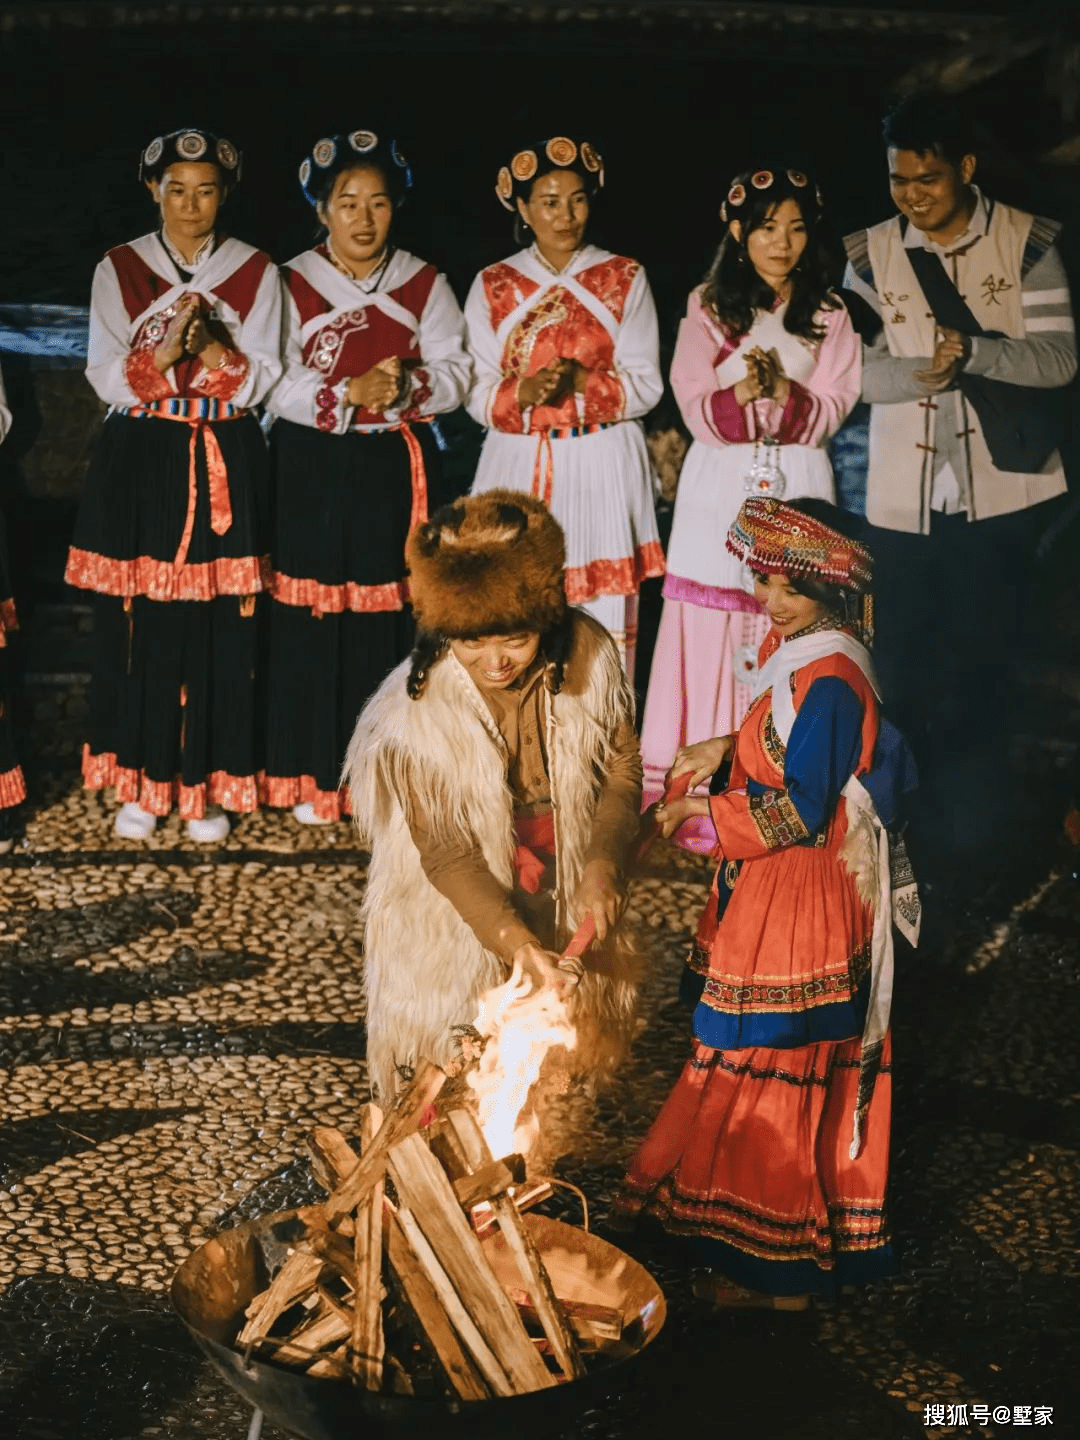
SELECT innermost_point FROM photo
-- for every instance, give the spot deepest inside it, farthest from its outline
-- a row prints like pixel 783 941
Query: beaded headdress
pixel 776 539
pixel 786 185
pixel 335 153
pixel 558 153
pixel 192 146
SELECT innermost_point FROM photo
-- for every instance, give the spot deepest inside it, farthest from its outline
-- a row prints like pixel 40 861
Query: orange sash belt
pixel 221 515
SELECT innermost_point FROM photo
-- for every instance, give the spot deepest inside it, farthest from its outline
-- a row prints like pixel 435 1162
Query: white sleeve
pixel 295 396
pixel 258 339
pixel 637 351
pixel 110 340
pixel 444 369
pixel 485 353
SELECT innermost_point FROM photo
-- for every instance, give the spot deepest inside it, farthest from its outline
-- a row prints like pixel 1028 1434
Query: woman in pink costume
pixel 766 368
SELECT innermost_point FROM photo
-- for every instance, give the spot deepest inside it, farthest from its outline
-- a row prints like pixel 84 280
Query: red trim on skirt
pixel 12 788
pixel 614 577
pixel 284 791
pixel 158 797
pixel 323 599
pixel 160 580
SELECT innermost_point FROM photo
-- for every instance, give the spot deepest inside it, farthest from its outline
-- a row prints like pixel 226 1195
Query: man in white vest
pixel 963 380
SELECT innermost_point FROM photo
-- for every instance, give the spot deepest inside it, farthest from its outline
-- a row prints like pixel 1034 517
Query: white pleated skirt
pixel 601 493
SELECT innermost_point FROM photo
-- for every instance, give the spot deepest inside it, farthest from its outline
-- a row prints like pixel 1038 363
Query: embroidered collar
pixel 977 227
pixel 372 280
pixel 828 622
pixel 187 267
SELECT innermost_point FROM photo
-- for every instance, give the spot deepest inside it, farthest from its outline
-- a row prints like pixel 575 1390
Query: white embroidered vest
pixel 988 277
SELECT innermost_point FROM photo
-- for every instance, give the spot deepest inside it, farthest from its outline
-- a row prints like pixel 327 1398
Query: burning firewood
pixel 389 1283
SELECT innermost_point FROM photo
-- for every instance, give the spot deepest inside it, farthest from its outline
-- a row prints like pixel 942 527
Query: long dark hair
pixel 555 644
pixel 733 290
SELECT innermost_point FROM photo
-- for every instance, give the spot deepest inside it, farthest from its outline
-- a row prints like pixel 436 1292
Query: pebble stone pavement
pixel 174 1019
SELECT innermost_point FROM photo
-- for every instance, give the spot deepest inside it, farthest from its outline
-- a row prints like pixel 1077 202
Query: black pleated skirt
pixel 174 716
pixel 339 621
pixel 137 503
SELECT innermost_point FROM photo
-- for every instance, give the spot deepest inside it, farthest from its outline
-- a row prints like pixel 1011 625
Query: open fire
pixel 521 1026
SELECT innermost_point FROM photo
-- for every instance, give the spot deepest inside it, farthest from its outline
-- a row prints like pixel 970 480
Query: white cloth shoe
pixel 211 829
pixel 134 823
pixel 305 813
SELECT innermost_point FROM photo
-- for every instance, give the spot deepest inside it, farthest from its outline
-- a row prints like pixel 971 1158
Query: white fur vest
pixel 424 969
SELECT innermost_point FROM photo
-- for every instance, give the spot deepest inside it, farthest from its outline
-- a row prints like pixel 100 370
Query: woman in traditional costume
pixel 185 335
pixel 374 351
pixel 12 784
pixel 563 337
pixel 496 776
pixel 766 367
pixel 771 1153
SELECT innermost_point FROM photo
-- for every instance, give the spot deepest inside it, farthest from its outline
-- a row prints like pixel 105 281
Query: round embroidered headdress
pixel 193 146
pixel 776 186
pixel 335 153
pixel 559 153
pixel 775 539
pixel 489 564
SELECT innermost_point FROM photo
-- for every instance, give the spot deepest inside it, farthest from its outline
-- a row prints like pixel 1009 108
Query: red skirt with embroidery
pixel 749 1159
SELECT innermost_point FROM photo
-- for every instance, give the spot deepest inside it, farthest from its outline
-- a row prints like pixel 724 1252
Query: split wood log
pixel 403 1120
pixel 332 1157
pixel 305 1343
pixel 484 1184
pixel 592 1324
pixel 461 1374
pixel 425 1191
pixel 368 1343
pixel 332 1366
pixel 525 1197
pixel 563 1341
pixel 450 1303
pixel 295 1281
pixel 335 1250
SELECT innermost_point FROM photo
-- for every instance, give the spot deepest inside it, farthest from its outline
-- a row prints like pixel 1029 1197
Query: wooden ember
pixel 395 1291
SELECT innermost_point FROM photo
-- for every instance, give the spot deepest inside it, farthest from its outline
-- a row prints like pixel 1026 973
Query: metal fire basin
pixel 213 1287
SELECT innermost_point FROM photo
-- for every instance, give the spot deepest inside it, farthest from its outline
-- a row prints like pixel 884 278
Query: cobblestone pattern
pixel 174 1019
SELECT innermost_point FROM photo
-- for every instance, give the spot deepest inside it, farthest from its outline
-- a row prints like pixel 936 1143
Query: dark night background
pixel 139 960
pixel 675 105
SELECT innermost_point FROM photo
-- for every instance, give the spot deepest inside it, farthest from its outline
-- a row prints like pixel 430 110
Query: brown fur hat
pixel 489 564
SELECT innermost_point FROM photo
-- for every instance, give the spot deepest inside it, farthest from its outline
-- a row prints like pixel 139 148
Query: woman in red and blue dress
pixel 374 351
pixel 171 537
pixel 771 1153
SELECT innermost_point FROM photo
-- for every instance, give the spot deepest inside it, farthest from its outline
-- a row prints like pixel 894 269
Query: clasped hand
pixel 381 387
pixel 188 333
pixel 552 383
pixel 764 380
pixel 950 353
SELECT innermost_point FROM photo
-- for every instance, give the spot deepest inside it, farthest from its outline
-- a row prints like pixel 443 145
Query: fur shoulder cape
pixel 424 969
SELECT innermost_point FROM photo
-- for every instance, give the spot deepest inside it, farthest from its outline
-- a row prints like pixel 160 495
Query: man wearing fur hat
pixel 497 778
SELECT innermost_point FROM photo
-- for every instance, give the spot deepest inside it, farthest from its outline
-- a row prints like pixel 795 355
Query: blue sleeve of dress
pixel 822 752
